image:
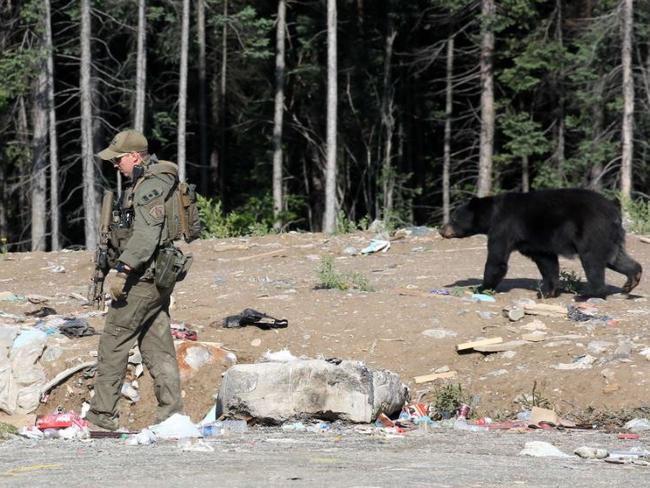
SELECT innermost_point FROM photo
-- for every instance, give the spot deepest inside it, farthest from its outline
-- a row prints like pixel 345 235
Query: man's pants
pixel 142 316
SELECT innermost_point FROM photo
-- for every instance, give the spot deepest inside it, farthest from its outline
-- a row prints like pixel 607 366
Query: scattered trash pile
pixel 24 340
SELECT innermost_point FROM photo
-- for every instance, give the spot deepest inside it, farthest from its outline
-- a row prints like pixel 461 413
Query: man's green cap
pixel 125 142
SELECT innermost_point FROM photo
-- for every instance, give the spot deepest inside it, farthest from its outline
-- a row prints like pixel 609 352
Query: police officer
pixel 139 310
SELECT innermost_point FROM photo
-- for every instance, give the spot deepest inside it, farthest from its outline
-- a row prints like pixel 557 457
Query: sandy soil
pixel 385 328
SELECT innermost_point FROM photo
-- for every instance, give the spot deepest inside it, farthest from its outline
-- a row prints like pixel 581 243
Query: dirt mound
pixel 400 325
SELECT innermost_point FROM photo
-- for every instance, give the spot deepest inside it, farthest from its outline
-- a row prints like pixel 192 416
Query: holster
pixel 171 266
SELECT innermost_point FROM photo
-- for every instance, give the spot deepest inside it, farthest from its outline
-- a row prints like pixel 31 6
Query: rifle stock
pixel 96 287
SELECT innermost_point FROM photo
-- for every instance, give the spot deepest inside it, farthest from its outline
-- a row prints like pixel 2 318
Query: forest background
pixel 319 114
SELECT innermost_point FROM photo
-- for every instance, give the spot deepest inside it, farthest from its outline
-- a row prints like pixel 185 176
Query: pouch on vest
pixel 171 266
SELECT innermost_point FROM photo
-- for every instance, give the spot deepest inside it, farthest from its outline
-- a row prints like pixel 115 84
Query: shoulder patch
pixel 157 212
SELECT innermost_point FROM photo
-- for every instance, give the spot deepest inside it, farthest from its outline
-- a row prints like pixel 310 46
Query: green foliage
pixel 447 400
pixel 526 137
pixel 255 217
pixel 213 220
pixel 638 211
pixel 252 31
pixel 569 281
pixel 344 225
pixel 7 430
pixel 331 279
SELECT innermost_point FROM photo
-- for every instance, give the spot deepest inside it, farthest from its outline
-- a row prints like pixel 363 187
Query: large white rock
pixel 275 392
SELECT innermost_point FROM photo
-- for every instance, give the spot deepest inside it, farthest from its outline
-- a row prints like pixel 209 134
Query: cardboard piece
pixel 544 415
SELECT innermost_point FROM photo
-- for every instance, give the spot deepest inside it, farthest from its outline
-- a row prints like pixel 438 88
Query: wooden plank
pixel 263 255
pixel 435 376
pixel 483 342
pixel 545 310
pixel 503 346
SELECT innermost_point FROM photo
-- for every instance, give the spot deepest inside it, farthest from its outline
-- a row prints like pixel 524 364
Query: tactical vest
pixel 181 213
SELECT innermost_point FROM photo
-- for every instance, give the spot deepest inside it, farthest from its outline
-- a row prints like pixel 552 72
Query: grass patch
pixel 447 399
pixel 7 430
pixel 331 279
pixel 570 281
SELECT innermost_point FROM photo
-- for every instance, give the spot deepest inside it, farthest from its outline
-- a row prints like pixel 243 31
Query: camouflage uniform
pixel 143 315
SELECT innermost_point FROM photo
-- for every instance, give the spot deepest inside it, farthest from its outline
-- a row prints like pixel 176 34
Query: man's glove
pixel 117 286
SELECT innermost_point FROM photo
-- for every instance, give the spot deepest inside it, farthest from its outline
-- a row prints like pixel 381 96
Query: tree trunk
pixel 559 86
pixel 39 158
pixel 182 89
pixel 55 214
pixel 628 101
pixel 598 115
pixel 278 198
pixel 487 101
pixel 329 218
pixel 525 174
pixel 141 67
pixel 204 144
pixel 87 156
pixel 388 121
pixel 223 105
pixel 449 107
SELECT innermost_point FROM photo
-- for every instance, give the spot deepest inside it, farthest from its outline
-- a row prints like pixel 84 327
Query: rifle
pixel 102 267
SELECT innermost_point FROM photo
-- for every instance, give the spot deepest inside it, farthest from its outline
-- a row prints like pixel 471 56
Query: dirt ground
pixel 390 327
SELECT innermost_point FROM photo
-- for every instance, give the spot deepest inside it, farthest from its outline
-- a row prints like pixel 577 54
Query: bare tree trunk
pixel 223 105
pixel 449 107
pixel 203 99
pixel 560 132
pixel 182 89
pixel 38 181
pixel 329 218
pixel 487 101
pixel 598 114
pixel 87 156
pixel 55 214
pixel 278 197
pixel 628 101
pixel 525 174
pixel 388 121
pixel 141 67
pixel 24 170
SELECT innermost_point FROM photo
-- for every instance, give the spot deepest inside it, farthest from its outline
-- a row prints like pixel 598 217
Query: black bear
pixel 543 225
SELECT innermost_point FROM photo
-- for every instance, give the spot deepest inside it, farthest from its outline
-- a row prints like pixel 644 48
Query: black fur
pixel 543 225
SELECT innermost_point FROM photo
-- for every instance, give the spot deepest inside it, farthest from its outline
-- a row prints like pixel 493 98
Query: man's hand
pixel 117 286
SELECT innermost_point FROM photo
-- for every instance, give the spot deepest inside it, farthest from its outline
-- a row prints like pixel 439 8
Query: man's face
pixel 126 163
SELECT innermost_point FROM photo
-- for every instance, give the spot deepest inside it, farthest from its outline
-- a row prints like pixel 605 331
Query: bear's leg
pixel 549 266
pixel 624 264
pixel 496 265
pixel 594 266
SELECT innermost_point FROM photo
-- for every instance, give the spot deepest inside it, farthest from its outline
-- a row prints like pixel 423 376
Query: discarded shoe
pixel 252 317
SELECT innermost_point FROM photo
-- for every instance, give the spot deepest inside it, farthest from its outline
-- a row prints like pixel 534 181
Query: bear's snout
pixel 447 231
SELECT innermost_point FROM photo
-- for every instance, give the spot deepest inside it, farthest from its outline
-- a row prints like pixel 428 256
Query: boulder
pixel 276 392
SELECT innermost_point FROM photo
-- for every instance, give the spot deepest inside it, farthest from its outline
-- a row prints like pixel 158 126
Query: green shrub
pixel 344 225
pixel 638 211
pixel 255 217
pixel 447 400
pixel 570 281
pixel 329 278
